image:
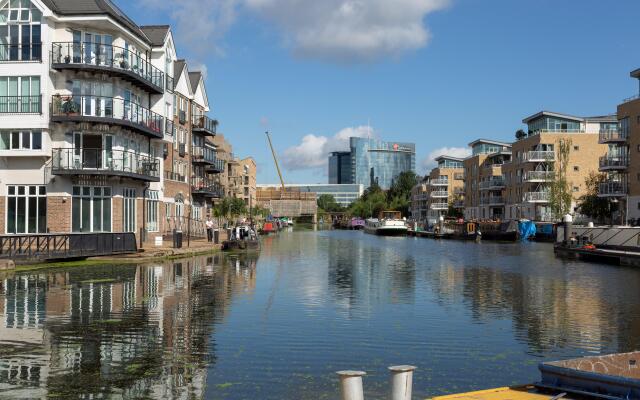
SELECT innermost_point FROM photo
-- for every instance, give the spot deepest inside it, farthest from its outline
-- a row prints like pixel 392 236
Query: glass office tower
pixel 340 168
pixel 373 160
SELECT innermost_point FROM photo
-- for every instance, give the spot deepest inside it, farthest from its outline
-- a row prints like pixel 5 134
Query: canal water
pixel 279 324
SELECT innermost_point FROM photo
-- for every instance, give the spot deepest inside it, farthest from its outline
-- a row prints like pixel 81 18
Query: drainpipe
pixel 143 233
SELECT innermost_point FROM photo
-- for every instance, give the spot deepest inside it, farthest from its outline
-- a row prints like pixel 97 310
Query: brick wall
pixel 59 214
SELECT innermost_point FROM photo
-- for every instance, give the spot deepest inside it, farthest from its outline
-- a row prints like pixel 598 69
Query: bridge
pixel 293 204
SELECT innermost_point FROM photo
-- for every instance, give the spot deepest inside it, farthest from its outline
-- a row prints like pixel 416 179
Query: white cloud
pixel 349 30
pixel 333 30
pixel 429 162
pixel 313 151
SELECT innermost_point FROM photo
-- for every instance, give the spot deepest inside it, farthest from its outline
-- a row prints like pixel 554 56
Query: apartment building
pixel 535 154
pixel 419 203
pixel 484 177
pixel 96 122
pixel 446 186
pixel 242 181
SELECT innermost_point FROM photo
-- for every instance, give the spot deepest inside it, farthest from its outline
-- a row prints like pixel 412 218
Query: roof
pixel 635 73
pixel 445 157
pixel 95 7
pixel 551 114
pixel 178 66
pixel 157 34
pixel 194 79
pixel 478 141
pixel 602 118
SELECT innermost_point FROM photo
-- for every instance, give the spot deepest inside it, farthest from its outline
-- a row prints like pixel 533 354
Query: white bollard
pixel 351 385
pixel 401 381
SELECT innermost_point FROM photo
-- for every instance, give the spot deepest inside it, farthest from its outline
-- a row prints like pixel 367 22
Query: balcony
pixel 613 162
pixel 107 110
pixel 539 176
pixel 103 162
pixel 27 53
pixel 537 197
pixel 107 59
pixel 459 190
pixel 439 194
pixel 206 187
pixel 174 176
pixel 169 83
pixel 216 168
pixel 21 104
pixel 439 182
pixel 204 125
pixel 439 206
pixel 539 156
pixel 612 136
pixel 492 201
pixel 203 155
pixel 492 184
pixel 612 189
pixel 459 176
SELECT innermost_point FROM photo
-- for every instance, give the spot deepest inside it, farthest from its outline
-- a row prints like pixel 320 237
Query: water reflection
pixel 125 331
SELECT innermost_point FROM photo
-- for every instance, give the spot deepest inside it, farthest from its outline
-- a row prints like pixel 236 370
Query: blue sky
pixel 327 67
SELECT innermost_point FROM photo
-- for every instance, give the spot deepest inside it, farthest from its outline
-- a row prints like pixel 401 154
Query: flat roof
pixel 478 141
pixel 551 114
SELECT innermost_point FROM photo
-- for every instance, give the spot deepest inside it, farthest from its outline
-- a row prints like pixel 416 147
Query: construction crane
pixel 275 159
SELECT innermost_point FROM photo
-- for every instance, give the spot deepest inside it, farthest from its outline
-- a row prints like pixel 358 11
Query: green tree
pixel 590 204
pixel 560 189
pixel 399 194
pixel 237 207
pixel 328 203
pixel 452 211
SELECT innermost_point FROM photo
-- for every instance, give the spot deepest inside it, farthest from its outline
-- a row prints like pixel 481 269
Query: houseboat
pixel 389 223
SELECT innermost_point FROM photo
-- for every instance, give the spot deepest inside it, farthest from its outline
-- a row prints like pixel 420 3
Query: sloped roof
pixel 157 34
pixel 178 66
pixel 95 7
pixel 194 78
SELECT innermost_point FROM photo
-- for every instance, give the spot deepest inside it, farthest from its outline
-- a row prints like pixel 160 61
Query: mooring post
pixel 401 381
pixel 568 226
pixel 351 385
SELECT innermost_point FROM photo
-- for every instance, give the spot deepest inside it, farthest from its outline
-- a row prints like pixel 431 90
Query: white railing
pixel 492 183
pixel 537 197
pixel 440 194
pixel 539 156
pixel 439 182
pixel 539 176
pixel 439 206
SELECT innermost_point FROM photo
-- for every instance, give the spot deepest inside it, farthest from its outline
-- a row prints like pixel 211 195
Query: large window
pixel 20 140
pixel 20 31
pixel 153 200
pixel 20 94
pixel 26 209
pixel 129 210
pixel 91 209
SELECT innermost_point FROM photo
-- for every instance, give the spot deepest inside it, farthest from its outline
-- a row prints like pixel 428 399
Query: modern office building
pixel 484 180
pixel 340 171
pixel 535 156
pixel 345 194
pixel 372 161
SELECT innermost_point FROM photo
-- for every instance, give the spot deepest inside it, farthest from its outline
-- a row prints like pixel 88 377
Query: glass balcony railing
pixel 539 176
pixel 610 162
pixel 612 189
pixel 439 194
pixel 612 136
pixel 492 183
pixel 109 58
pixel 537 197
pixel 203 155
pixel 28 52
pixel 540 156
pixel 439 206
pixel 204 125
pixel 439 182
pixel 217 166
pixel 112 110
pixel 70 161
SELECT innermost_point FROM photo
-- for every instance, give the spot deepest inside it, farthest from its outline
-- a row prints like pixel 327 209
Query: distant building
pixel 345 194
pixel 372 161
pixel 340 171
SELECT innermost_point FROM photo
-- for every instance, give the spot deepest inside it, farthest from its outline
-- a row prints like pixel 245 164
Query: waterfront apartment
pixel 371 161
pixel 419 202
pixel 242 180
pixel 103 128
pixel 535 155
pixel 484 191
pixel 344 194
pixel 445 187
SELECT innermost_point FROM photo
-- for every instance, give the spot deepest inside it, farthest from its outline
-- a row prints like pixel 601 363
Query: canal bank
pixel 278 324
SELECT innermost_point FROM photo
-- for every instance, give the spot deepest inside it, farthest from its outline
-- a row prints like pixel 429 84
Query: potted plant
pixel 67 59
pixel 520 134
pixel 123 61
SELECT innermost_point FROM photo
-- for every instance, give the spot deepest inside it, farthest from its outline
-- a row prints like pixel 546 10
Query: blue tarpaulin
pixel 526 229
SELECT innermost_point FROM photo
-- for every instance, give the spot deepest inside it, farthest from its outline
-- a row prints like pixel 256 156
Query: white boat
pixel 388 224
pixel 290 222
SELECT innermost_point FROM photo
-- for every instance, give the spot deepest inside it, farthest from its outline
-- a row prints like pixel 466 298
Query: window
pixel 26 209
pixel 20 94
pixel 91 209
pixel 20 140
pixel 576 189
pixel 179 211
pixel 576 168
pixel 20 31
pixel 576 148
pixel 153 200
pixel 197 213
pixel 129 210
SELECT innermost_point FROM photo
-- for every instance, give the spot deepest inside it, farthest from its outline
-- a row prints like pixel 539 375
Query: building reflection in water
pixel 128 331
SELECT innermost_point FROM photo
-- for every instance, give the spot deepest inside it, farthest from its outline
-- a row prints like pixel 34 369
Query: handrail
pixel 614 161
pixel 21 104
pixel 106 55
pixel 107 108
pixel 545 155
pixel 26 52
pixel 202 184
pixel 539 175
pixel 122 161
pixel 204 122
pixel 203 153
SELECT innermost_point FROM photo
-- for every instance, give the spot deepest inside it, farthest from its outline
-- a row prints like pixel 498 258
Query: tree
pixel 237 207
pixel 560 189
pixel 328 203
pixel 452 211
pixel 399 194
pixel 590 204
pixel 520 134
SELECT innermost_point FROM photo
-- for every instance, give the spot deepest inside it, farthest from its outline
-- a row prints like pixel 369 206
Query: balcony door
pixel 96 98
pixel 92 48
pixel 92 151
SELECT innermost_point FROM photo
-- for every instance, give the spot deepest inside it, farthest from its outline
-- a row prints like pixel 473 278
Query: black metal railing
pixel 118 162
pixel 21 104
pixel 107 56
pixel 205 154
pixel 169 127
pixel 202 122
pixel 174 176
pixel 28 52
pixel 109 108
pixel 65 245
pixel 217 166
pixel 206 186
